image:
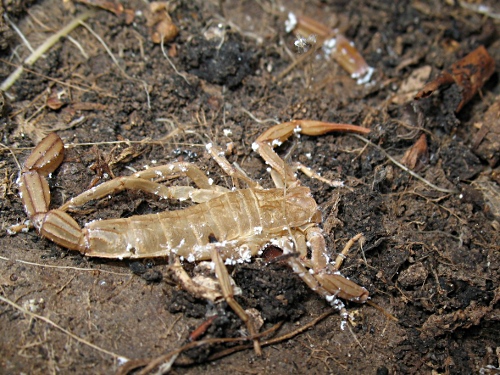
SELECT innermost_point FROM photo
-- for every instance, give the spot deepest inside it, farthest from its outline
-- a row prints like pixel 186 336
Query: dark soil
pixel 430 258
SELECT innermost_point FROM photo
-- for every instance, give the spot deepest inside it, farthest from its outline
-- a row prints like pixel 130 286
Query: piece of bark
pixel 469 73
pixel 486 142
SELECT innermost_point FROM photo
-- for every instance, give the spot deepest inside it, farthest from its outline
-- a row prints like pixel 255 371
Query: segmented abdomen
pixel 235 216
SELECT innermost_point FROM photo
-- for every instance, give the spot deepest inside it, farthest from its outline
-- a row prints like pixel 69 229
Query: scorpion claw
pixel 33 186
pixel 47 156
pixel 55 225
pixel 34 192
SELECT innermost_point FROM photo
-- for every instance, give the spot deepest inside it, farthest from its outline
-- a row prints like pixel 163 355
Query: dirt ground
pixel 430 259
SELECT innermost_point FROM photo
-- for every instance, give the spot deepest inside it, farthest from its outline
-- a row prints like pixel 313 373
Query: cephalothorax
pixel 226 226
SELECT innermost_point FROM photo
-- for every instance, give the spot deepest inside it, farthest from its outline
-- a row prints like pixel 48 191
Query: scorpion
pixel 225 227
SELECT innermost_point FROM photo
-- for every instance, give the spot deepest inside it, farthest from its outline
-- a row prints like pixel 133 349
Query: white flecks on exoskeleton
pixel 229 262
pixel 361 79
pixel 291 22
pixel 329 45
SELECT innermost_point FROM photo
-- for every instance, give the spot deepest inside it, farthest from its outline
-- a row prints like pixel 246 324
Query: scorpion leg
pixel 340 258
pixel 331 279
pixel 315 272
pixel 132 183
pixel 278 134
pixel 227 291
pixel 231 170
pixel 142 181
pixel 194 287
pixel 300 266
pixel 174 170
pixel 312 174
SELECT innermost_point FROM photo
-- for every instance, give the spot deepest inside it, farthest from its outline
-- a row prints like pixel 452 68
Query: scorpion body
pixel 225 226
pixel 186 233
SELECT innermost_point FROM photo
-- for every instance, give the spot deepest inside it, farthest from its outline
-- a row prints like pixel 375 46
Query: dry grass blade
pixel 418 177
pixel 64 330
pixel 44 47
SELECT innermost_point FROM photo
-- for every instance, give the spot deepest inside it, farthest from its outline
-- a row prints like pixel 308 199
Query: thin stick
pixel 12 153
pixel 287 336
pixel 171 63
pixel 79 46
pixel 356 338
pixel 63 267
pixel 19 33
pixel 404 168
pixel 43 48
pixel 70 334
pixel 258 120
pixel 387 314
pixel 49 78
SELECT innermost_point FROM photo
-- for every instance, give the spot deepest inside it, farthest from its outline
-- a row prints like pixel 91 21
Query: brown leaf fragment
pixel 56 100
pixel 486 142
pixel 129 16
pixel 160 23
pixel 111 6
pixel 415 153
pixel 469 73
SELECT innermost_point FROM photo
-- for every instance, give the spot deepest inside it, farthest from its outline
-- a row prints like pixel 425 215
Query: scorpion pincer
pixel 226 226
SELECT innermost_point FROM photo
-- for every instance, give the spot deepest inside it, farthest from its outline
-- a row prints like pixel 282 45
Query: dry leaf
pixel 415 154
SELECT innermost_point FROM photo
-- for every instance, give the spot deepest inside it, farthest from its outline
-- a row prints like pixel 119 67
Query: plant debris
pixel 469 74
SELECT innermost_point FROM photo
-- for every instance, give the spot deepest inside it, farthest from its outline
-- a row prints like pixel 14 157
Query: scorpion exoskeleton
pixel 226 226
